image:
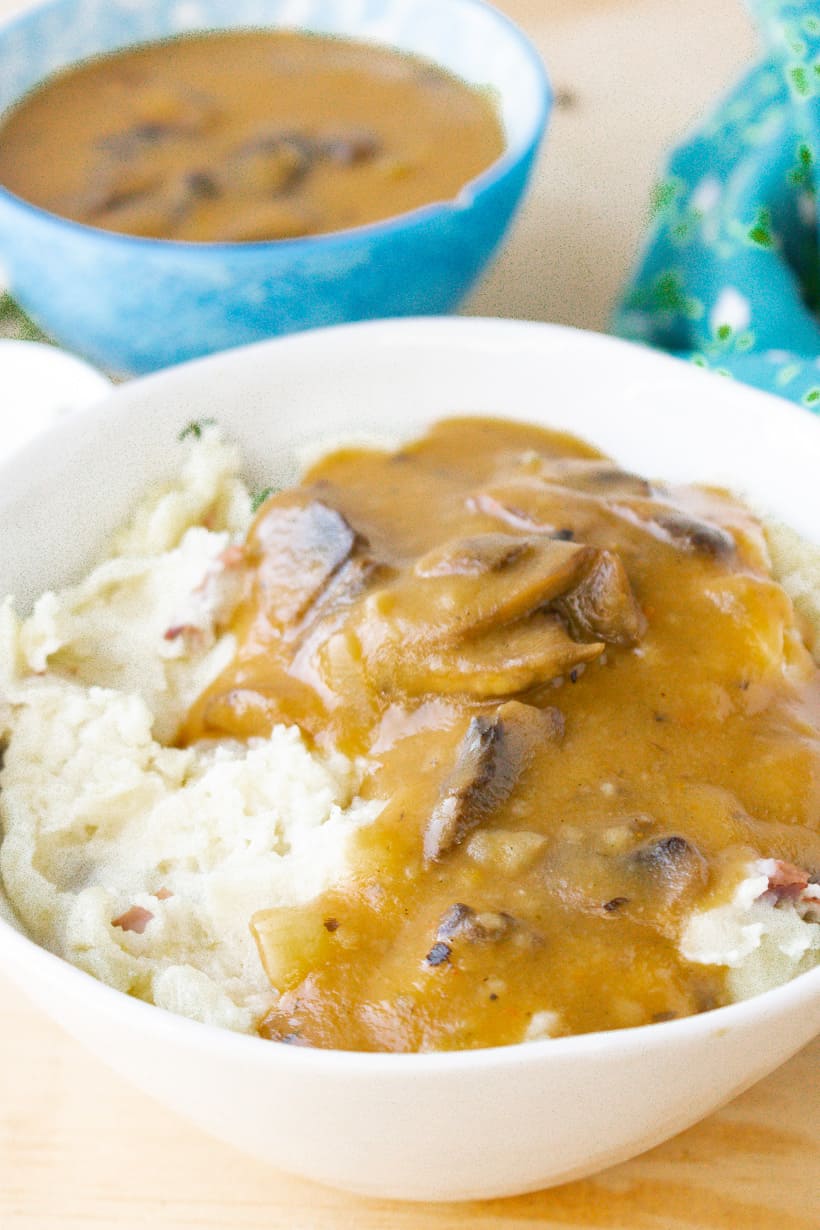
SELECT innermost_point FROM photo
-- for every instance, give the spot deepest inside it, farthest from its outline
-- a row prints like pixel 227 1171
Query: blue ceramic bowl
pixel 133 305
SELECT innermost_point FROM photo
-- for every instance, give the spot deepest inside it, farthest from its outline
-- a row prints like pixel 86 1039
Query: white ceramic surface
pixel 436 1126
pixel 38 385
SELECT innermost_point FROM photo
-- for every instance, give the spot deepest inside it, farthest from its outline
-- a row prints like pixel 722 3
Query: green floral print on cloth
pixel 731 272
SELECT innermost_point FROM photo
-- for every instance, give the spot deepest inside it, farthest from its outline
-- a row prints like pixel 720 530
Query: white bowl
pixel 434 1126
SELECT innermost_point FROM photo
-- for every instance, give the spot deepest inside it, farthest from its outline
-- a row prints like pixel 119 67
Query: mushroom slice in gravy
pixel 493 754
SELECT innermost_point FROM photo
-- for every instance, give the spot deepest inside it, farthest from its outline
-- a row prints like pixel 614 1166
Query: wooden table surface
pixel 78 1148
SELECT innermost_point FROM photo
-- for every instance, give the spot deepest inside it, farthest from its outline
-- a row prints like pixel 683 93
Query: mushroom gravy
pixel 585 700
pixel 249 135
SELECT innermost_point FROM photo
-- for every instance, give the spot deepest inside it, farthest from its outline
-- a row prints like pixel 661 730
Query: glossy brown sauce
pixel 246 136
pixel 585 701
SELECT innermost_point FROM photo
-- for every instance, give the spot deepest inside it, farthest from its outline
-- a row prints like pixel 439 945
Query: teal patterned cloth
pixel 731 273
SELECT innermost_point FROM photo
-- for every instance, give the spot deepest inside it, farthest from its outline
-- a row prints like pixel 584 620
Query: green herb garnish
pixel 195 428
pixel 258 498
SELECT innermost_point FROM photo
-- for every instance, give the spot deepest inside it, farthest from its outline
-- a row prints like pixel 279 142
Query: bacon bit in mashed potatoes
pixel 134 919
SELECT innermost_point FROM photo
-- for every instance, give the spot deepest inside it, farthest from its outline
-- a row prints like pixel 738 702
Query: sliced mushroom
pixel 121 187
pixel 272 164
pixel 479 582
pixel 439 954
pixel 463 922
pixel 493 755
pixel 462 926
pixel 601 478
pixel 184 191
pixel 352 578
pixel 351 146
pixel 478 556
pixel 532 497
pixel 700 537
pixel 301 547
pixel 601 606
pixel 517 505
pixel 506 662
pixel 673 864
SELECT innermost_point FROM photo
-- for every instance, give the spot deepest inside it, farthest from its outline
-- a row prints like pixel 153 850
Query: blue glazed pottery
pixel 133 305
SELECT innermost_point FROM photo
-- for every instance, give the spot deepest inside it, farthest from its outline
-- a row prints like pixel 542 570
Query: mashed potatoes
pixel 106 829
pixel 143 863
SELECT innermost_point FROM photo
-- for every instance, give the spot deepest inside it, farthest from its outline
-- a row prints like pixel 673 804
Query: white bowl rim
pixel 161 1023
pixel 781 1000
pixel 499 168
